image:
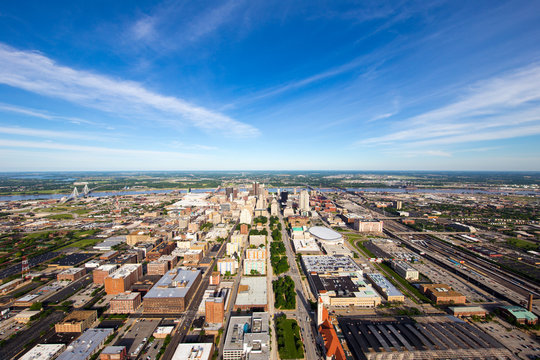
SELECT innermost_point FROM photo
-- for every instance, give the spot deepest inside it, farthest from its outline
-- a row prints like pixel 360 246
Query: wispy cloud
pixel 92 149
pixel 157 28
pixel 37 73
pixel 45 115
pixel 50 134
pixel 502 107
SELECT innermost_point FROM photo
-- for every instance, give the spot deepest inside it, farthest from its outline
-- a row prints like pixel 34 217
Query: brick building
pixel 71 274
pixel 125 303
pixel 442 294
pixel 102 272
pixel 214 307
pixel 77 322
pixel 172 293
pixel 157 267
pixel 122 279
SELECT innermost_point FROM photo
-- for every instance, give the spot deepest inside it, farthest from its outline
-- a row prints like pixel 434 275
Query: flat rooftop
pixel 197 351
pixel 330 264
pixel 252 291
pixel 43 352
pixel 425 338
pixel 126 296
pixel 249 333
pixel 175 283
pixel 384 284
pixel 85 345
pixel 124 270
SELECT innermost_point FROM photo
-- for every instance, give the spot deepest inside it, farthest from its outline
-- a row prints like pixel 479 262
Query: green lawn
pixel 288 338
pixel 83 243
pixel 60 217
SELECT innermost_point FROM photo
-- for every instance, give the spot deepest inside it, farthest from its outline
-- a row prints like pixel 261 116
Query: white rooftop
pixel 325 233
pixel 198 351
pixel 256 291
pixel 43 352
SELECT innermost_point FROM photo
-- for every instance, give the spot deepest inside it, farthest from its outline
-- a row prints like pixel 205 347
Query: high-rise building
pixel 255 188
pixel 274 208
pixel 229 192
pixel 215 307
pixel 304 201
pixel 284 196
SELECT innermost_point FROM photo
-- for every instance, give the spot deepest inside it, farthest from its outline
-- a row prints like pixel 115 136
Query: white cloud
pixel 503 107
pixel 49 133
pixel 93 149
pixel 34 72
pixel 44 115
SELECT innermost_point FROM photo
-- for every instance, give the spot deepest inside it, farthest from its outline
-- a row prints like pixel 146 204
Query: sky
pixel 270 85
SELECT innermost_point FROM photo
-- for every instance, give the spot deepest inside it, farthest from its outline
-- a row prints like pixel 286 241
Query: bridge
pixel 85 191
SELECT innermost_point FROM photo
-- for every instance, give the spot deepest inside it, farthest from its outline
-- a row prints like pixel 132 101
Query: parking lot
pixel 137 336
pixel 82 297
pixel 519 343
pixel 438 275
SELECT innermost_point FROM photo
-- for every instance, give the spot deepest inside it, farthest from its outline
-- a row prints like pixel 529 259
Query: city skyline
pixel 267 86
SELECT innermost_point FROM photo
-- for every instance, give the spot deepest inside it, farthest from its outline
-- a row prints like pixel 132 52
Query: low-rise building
pixel 161 332
pixel 519 315
pixel 86 345
pixel 196 351
pixel 114 353
pixel 76 322
pixel 343 291
pixel 405 270
pixel 71 274
pixel 382 285
pixel 25 316
pixel 467 311
pixel 125 303
pixel 43 352
pixel 252 294
pixel 247 337
pixel 442 294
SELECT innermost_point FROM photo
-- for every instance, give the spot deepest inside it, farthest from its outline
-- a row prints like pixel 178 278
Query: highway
pixel 303 307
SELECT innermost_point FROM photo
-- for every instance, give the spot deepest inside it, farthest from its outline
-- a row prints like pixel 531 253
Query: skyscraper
pixel 304 201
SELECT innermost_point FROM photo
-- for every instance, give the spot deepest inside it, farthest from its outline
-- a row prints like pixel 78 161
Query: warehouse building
pixel 76 322
pixel 442 294
pixel 389 291
pixel 172 293
pixel 405 270
pixel 86 345
pixel 71 274
pixel 125 303
pixel 425 338
pixel 43 352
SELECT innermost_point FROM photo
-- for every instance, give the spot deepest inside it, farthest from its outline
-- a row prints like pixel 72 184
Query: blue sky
pixel 189 85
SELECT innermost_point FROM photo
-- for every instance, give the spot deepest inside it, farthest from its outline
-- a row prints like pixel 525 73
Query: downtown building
pixel 121 280
pixel 172 293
